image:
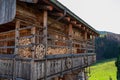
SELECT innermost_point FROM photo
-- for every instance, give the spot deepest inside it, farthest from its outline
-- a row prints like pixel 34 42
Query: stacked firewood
pixel 77 34
pixel 57 50
pixel 74 50
pixel 40 51
pixel 60 50
pixel 25 51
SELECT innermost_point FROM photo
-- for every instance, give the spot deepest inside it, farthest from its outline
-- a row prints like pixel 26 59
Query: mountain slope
pixel 107 45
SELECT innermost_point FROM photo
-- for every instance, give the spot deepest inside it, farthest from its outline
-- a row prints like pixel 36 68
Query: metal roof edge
pixel 60 5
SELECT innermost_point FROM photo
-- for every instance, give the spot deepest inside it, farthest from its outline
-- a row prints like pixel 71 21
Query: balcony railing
pixel 57 65
pixel 23 56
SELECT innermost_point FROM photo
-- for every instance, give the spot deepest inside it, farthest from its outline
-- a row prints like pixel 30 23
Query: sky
pixel 103 15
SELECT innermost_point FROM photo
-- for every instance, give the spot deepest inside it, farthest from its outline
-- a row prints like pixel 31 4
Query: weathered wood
pixel 73 22
pixel 45 7
pixel 67 19
pixel 17 34
pixel 57 14
pixel 63 39
pixel 45 19
pixel 33 32
pixel 78 25
pixel 85 33
pixel 7 10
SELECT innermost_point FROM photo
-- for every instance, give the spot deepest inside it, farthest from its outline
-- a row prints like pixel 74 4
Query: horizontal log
pixel 7 32
pixel 7 39
pixel 78 25
pixel 58 39
pixel 57 14
pixel 45 7
pixel 28 27
pixel 5 47
pixel 31 36
pixel 73 22
pixel 67 19
pixel 58 46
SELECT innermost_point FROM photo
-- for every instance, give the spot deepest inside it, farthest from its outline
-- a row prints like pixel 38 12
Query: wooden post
pixel 70 34
pixel 45 15
pixel 32 74
pixel 17 26
pixel 33 32
pixel 85 35
pixel 85 38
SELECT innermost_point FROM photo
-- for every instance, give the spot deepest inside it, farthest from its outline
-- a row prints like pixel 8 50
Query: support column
pixel 45 19
pixel 85 35
pixel 33 32
pixel 70 35
pixel 17 26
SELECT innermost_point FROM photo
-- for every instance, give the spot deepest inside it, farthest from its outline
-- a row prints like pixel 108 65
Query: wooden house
pixel 44 40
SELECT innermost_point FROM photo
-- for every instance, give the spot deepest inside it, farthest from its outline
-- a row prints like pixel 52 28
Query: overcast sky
pixel 103 15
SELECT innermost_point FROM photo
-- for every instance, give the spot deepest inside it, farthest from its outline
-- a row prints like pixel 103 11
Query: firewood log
pixel 40 51
pixel 24 52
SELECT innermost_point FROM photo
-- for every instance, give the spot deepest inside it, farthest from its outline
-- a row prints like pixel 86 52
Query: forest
pixel 107 45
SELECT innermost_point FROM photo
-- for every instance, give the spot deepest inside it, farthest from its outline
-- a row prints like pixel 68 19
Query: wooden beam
pixel 73 22
pixel 84 27
pixel 70 30
pixel 78 25
pixel 67 19
pixel 57 14
pixel 45 7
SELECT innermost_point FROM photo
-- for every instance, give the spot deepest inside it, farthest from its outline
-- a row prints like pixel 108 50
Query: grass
pixel 103 70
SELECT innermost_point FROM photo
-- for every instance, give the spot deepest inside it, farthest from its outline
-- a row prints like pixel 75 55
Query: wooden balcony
pixel 51 66
pixel 21 55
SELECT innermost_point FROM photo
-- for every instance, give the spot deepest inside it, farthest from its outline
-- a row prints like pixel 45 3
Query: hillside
pixel 101 70
pixel 107 45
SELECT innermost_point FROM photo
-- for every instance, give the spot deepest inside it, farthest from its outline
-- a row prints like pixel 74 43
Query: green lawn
pixel 103 70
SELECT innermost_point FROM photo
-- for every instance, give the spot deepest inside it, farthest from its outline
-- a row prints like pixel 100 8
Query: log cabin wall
pixel 47 43
pixel 59 36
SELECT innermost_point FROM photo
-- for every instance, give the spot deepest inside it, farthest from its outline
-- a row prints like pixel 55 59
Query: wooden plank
pixel 7 10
